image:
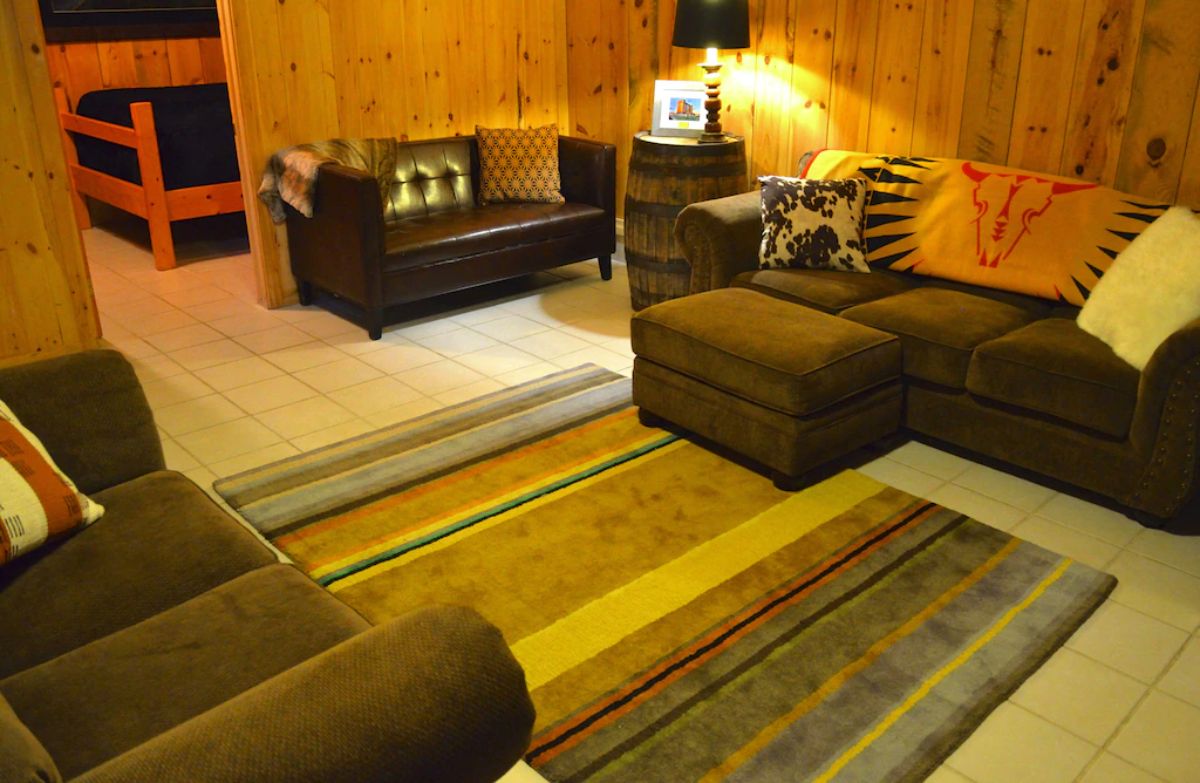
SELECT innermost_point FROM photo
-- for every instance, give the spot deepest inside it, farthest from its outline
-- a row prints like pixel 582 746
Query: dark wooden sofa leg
pixel 305 291
pixel 375 324
pixel 605 267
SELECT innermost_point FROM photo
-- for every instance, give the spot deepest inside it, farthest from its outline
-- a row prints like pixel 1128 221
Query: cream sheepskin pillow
pixel 1151 290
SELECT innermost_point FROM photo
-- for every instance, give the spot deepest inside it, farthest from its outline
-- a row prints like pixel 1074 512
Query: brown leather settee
pixel 430 237
pixel 166 643
pixel 1003 375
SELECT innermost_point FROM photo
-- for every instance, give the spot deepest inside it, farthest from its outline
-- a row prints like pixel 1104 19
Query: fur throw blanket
pixel 291 173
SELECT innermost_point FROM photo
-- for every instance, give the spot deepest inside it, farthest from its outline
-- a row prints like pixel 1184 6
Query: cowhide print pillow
pixel 813 224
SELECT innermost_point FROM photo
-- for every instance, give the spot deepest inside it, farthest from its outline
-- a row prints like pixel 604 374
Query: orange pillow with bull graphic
pixel 989 225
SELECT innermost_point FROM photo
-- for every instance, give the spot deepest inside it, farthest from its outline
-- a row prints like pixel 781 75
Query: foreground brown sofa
pixel 166 643
pixel 430 237
pixel 1003 375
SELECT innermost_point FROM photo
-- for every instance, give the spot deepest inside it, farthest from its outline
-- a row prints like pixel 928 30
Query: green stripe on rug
pixel 678 617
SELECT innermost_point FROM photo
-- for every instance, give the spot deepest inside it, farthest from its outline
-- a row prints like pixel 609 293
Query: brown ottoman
pixel 785 385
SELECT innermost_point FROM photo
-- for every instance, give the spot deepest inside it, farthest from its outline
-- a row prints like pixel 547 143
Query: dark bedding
pixel 194 127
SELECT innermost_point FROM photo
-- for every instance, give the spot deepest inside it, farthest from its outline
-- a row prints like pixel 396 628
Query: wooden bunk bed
pixel 151 199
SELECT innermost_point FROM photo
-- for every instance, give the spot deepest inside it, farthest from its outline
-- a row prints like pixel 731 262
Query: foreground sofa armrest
pixel 1166 423
pixel 90 412
pixel 340 246
pixel 432 695
pixel 720 238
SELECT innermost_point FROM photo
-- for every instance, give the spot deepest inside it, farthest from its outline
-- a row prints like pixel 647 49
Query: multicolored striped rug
pixel 677 616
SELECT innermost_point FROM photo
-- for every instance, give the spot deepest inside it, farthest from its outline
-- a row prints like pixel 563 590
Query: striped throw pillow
pixel 519 164
pixel 37 502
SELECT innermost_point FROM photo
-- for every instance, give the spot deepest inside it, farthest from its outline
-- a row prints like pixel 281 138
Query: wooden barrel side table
pixel 665 175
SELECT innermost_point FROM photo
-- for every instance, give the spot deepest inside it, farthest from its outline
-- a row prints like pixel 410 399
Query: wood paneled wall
pixel 313 69
pixel 1103 90
pixel 82 67
pixel 46 304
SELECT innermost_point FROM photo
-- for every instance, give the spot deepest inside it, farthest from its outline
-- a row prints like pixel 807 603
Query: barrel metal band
pixel 737 169
pixel 651 264
pixel 653 210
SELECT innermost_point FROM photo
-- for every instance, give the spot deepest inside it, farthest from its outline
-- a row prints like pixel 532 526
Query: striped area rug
pixel 679 618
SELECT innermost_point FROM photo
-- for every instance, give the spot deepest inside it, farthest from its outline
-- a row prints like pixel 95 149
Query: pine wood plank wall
pixel 1104 90
pixel 46 303
pixel 413 69
pixel 85 66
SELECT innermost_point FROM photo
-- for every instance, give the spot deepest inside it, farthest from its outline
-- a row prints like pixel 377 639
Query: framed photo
pixel 678 109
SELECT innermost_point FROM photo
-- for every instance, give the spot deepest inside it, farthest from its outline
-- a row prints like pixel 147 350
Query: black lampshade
pixel 700 24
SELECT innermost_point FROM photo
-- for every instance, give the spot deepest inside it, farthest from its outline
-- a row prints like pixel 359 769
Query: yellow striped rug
pixel 677 616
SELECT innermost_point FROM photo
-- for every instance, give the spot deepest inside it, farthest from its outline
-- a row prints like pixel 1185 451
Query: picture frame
pixel 678 108
pixel 104 20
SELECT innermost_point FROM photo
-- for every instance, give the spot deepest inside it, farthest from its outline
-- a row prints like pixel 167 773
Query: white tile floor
pixel 234 386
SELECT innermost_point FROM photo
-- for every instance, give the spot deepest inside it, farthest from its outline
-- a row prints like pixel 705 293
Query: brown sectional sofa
pixel 1003 375
pixel 430 237
pixel 166 643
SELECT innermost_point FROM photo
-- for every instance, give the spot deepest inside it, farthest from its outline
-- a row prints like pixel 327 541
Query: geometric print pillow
pixel 37 502
pixel 519 164
pixel 813 224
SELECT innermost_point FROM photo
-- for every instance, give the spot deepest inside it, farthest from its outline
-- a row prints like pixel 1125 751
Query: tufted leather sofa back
pixel 430 177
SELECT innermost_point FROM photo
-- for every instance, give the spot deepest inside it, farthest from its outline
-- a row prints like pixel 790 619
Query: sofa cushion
pixel 99 700
pixel 939 329
pixel 454 235
pixel 429 177
pixel 38 502
pixel 161 542
pixel 764 362
pixel 823 289
pixel 1054 367
pixel 813 224
pixel 22 757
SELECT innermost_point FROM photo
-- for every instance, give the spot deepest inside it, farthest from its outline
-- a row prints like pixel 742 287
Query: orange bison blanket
pixel 989 225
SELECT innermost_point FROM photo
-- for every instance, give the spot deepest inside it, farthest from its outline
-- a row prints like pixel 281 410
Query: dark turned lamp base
pixel 712 83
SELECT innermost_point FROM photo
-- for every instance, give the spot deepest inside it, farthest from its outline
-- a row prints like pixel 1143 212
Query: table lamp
pixel 712 25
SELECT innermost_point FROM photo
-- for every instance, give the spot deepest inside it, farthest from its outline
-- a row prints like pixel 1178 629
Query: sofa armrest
pixel 432 695
pixel 720 238
pixel 1166 423
pixel 339 247
pixel 589 173
pixel 90 412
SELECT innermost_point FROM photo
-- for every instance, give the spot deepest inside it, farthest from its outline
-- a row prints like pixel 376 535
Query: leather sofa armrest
pixel 588 170
pixel 91 414
pixel 340 246
pixel 1166 423
pixel 432 695
pixel 720 238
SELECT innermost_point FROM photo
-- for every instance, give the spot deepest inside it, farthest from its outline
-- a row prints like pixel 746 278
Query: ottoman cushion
pixel 781 355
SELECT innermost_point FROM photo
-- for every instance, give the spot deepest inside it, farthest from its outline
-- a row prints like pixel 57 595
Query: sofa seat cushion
pixel 1054 367
pixel 160 542
pixel 940 328
pixel 22 757
pixel 104 698
pixel 787 357
pixel 453 235
pixel 826 290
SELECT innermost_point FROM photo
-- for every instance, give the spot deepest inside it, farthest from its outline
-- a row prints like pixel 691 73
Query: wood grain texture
pixel 85 66
pixel 993 66
pixel 1162 101
pixel 46 303
pixel 897 62
pixel 942 77
pixel 854 36
pixel 1100 92
pixel 1049 53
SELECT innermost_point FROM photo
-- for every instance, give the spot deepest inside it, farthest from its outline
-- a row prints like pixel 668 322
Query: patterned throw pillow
pixel 813 223
pixel 518 164
pixel 37 502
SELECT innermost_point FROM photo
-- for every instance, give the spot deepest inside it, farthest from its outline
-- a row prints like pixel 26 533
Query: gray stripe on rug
pixel 285 495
